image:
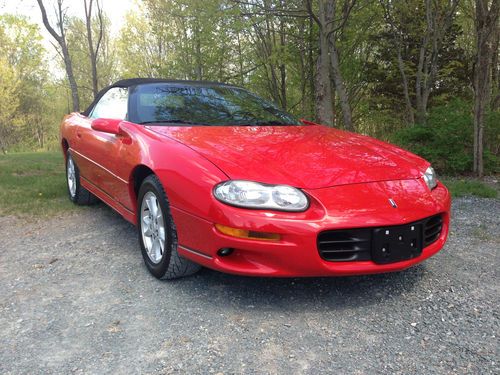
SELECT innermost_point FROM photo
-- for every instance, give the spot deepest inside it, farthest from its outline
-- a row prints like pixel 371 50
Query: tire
pixel 76 192
pixel 164 262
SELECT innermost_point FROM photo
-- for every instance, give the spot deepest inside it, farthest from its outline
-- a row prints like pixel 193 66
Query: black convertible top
pixel 125 83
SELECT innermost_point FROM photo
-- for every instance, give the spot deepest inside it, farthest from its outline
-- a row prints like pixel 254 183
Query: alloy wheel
pixel 152 227
pixel 71 175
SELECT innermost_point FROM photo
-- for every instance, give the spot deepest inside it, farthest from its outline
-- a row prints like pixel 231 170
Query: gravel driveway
pixel 75 297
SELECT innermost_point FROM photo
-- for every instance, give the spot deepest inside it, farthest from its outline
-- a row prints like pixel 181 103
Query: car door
pixel 100 150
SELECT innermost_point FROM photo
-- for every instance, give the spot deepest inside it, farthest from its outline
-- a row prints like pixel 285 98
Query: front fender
pixel 187 177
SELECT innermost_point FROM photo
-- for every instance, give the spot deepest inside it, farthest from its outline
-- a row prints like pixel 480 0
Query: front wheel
pixel 76 192
pixel 157 233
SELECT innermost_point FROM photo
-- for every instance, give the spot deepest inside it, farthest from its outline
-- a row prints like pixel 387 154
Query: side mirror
pixel 107 125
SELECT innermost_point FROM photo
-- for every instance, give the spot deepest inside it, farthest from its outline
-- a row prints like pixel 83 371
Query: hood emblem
pixel 393 203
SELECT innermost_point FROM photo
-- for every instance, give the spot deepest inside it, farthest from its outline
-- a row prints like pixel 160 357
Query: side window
pixel 113 104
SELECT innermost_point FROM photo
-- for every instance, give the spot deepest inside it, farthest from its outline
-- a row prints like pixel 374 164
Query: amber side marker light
pixel 249 234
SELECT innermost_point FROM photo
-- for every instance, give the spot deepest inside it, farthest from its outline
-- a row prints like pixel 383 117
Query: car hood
pixel 309 156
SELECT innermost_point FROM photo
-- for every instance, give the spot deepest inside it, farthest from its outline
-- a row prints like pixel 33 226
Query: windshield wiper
pixel 175 121
pixel 264 123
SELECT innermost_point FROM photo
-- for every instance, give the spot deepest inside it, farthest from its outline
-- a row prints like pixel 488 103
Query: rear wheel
pixel 158 235
pixel 76 192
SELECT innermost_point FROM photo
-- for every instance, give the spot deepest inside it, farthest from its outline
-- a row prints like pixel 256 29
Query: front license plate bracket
pixel 397 243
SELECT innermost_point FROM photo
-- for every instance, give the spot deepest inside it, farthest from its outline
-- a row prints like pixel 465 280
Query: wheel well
pixel 65 146
pixel 138 175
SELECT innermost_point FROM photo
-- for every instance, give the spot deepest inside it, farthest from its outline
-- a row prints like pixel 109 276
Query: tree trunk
pixel 199 68
pixel 71 77
pixel 340 87
pixel 2 146
pixel 495 70
pixel 327 64
pixel 409 107
pixel 282 68
pixel 93 51
pixel 419 82
pixel 302 66
pixel 240 60
pixel 486 23
pixel 61 40
pixel 324 105
pixel 324 102
pixel 40 134
pixel 311 67
pixel 422 76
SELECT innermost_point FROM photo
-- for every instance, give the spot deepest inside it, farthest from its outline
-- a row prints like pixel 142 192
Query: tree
pixel 83 69
pixel 279 28
pixel 137 39
pixel 324 98
pixel 487 18
pixel 94 49
pixel 330 23
pixel 9 103
pixel 21 47
pixel 418 33
pixel 268 34
pixel 60 38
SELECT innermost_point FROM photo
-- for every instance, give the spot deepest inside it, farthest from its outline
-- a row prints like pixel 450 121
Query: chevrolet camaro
pixel 212 175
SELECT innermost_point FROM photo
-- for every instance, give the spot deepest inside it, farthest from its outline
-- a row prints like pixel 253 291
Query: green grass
pixel 462 188
pixel 33 184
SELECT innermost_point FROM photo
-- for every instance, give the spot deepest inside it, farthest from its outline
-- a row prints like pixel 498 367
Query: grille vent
pixel 432 229
pixel 345 245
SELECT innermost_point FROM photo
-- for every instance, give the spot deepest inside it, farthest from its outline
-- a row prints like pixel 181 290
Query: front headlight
pixel 430 178
pixel 251 194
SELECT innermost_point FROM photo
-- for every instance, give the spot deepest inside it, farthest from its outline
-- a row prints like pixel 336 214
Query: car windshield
pixel 178 105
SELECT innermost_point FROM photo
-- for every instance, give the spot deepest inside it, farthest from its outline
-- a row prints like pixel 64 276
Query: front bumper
pixel 296 254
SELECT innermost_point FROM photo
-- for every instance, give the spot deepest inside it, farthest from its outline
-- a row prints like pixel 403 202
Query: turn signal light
pixel 249 234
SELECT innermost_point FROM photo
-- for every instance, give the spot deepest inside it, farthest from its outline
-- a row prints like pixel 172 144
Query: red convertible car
pixel 215 176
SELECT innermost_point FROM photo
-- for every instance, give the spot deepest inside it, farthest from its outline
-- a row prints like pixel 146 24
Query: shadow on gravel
pixel 297 294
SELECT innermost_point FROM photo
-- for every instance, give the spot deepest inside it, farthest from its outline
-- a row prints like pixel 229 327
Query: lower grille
pixel 432 229
pixel 347 245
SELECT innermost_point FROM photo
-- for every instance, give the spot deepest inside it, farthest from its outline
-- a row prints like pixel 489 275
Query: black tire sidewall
pixel 152 184
pixel 74 198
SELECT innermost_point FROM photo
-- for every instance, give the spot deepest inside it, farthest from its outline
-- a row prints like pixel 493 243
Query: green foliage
pixel 33 184
pixel 446 140
pixel 136 39
pixel 462 188
pixel 190 39
pixel 21 46
pixel 9 103
pixel 27 119
pixel 79 51
pixel 492 135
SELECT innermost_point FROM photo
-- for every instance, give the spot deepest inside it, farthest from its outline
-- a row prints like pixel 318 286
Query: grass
pixel 462 188
pixel 33 184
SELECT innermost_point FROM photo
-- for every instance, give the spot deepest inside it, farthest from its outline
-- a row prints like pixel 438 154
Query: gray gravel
pixel 75 297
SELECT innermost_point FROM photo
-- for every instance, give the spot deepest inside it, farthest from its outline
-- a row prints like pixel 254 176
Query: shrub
pixel 446 140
